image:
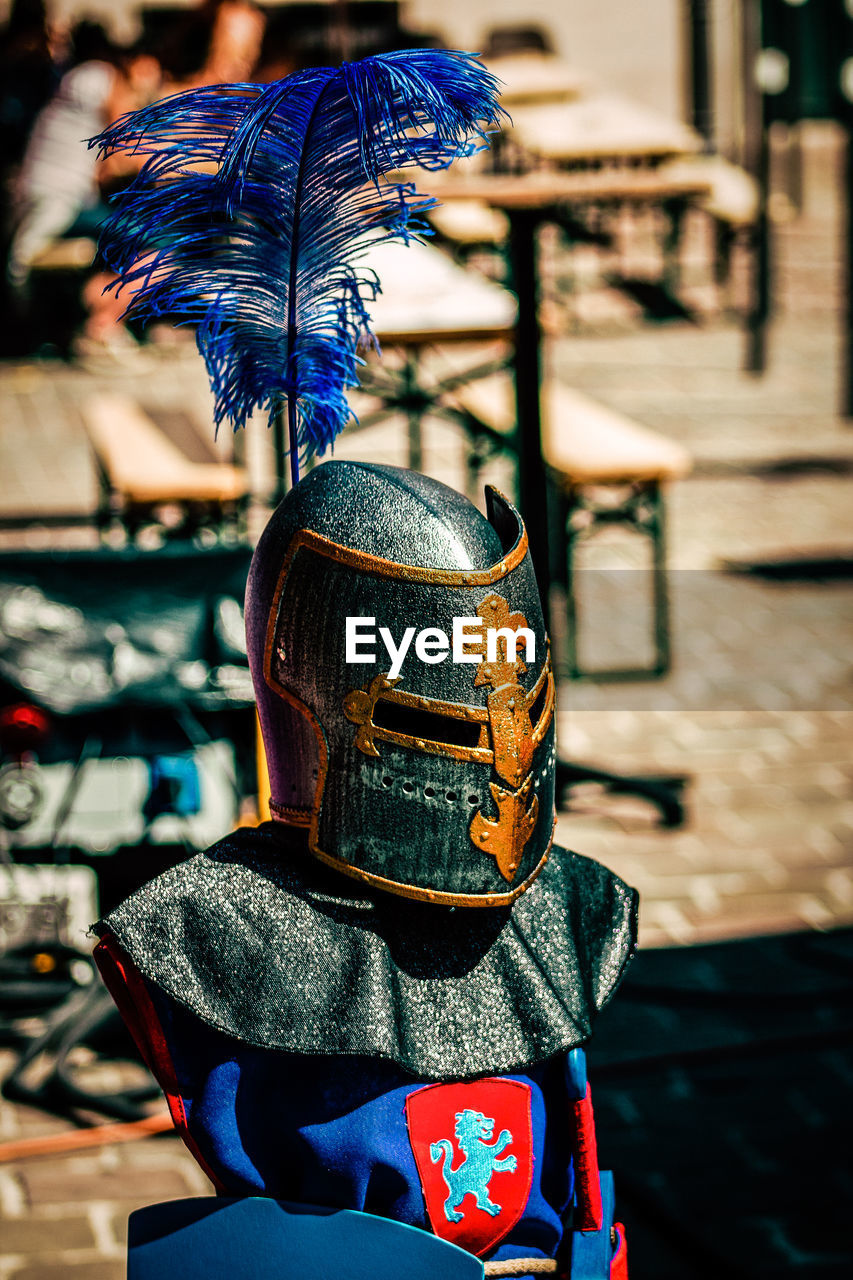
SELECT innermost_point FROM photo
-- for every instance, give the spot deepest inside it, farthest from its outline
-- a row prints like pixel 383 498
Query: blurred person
pixel 232 32
pixel 58 191
pixel 28 78
pixel 57 179
pixel 236 30
pixel 218 42
pixel 235 42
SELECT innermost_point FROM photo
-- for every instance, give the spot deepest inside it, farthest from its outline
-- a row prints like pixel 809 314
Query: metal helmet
pixel 404 684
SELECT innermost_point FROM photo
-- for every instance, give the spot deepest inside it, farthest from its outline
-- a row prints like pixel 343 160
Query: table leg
pixel 413 400
pixel 674 215
pixel 847 357
pixel 762 264
pixel 759 311
pixel 665 792
pixel 532 478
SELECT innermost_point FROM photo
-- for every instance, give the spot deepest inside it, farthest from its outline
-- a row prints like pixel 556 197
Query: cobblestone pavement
pixel 757 711
pixel 67 1216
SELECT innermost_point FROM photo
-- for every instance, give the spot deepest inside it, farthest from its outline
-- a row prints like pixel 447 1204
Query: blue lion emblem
pixel 473 1131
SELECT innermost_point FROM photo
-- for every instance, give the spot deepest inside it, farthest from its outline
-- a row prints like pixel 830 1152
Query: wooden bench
pixel 142 471
pixel 731 203
pixel 468 225
pixel 605 468
pixel 534 75
pixel 55 310
pixel 76 254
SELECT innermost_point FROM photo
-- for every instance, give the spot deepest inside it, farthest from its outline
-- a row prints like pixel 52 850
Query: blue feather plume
pixel 255 202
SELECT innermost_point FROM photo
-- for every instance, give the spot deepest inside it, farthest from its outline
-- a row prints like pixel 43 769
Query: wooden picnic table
pixel 546 189
pixel 529 201
pixel 535 76
pixel 427 298
pixel 426 301
pixel 600 127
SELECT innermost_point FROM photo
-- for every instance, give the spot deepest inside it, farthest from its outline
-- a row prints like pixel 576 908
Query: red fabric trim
pixel 590 1214
pixel 127 988
pixel 619 1261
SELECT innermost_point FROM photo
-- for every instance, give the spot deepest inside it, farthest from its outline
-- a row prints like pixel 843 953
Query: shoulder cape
pixel 262 942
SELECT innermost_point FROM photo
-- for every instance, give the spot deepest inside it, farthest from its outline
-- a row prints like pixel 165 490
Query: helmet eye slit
pixel 431 726
pixel 538 705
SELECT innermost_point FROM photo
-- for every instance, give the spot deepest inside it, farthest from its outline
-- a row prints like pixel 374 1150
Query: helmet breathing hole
pixel 429 792
pixel 386 781
pixel 408 786
pixel 473 799
pixel 451 797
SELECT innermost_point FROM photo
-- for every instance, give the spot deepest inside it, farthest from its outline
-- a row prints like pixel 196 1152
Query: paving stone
pixel 70 1269
pixel 52 1183
pixel 32 1235
pixel 31 1122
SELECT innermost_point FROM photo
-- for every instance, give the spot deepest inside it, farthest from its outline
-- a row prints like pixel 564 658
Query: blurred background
pixel 634 315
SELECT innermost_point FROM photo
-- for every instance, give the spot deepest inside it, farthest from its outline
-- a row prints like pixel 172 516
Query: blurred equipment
pixel 699 74
pixel 411 316
pixel 127 729
pixel 22 730
pixel 126 743
pixel 57 992
pixel 45 905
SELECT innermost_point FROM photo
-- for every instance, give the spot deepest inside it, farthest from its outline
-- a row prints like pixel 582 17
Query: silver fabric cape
pixel 264 943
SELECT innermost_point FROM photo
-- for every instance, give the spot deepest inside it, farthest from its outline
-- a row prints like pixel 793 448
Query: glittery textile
pixel 265 944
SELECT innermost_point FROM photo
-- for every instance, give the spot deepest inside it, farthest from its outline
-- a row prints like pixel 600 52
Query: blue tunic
pixel 332 1131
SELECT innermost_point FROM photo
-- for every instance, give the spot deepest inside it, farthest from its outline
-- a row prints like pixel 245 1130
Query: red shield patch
pixel 473 1146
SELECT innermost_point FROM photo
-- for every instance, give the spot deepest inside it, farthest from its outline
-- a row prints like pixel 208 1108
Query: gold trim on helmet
pixel 521 816
pixel 360 707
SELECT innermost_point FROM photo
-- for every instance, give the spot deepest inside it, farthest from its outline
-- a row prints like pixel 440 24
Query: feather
pixel 255 203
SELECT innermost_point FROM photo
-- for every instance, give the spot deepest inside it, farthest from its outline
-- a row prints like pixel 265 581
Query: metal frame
pixel 581 516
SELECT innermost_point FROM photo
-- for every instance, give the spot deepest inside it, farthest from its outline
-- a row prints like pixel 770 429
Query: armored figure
pixel 369 1002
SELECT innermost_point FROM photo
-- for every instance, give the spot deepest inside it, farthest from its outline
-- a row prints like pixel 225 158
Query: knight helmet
pixel 404 684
